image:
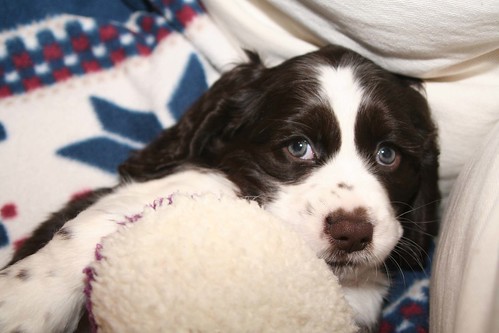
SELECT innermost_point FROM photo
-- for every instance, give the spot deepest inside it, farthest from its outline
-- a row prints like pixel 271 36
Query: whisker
pixel 419 231
pixel 425 254
pixel 387 271
pixel 412 208
pixel 251 197
pixel 410 251
pixel 404 219
pixel 398 267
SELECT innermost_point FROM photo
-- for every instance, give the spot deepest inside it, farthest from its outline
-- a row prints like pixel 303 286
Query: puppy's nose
pixel 349 231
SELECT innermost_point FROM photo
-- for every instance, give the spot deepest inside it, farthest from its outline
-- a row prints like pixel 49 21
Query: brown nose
pixel 349 231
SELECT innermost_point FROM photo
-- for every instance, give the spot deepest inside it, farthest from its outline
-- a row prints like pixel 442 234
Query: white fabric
pixel 464 284
pixel 425 39
pixel 454 46
pixel 465 109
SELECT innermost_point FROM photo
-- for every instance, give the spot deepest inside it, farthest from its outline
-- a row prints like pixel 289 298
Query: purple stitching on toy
pixel 90 271
pixel 156 203
pixel 133 218
pixel 90 277
pixel 98 248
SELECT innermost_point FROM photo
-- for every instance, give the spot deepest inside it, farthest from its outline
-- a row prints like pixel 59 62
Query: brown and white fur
pixel 341 150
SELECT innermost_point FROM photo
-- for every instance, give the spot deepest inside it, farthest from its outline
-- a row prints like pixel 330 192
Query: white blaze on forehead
pixel 345 95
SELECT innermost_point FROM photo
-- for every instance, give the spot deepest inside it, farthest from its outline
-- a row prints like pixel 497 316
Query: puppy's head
pixel 340 149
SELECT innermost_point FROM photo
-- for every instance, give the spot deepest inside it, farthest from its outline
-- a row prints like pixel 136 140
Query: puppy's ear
pixel 413 83
pixel 213 117
pixel 420 222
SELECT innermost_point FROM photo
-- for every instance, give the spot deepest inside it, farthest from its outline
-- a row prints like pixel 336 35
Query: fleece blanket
pixel 84 83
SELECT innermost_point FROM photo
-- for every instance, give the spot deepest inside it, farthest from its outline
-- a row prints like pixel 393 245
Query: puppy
pixel 341 150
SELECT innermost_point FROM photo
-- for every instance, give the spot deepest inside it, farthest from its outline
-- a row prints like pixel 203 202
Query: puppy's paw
pixel 35 298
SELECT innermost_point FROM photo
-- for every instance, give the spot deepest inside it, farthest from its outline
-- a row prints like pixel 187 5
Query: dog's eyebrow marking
pixel 23 274
pixel 65 233
pixel 345 186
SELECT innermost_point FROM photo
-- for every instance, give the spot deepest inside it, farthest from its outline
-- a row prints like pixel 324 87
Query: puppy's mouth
pixel 343 269
pixel 348 270
pixel 341 260
pixel 341 264
pixel 340 267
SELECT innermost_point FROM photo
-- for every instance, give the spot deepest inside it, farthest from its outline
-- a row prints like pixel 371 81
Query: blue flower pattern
pixel 3 133
pixel 4 237
pixel 138 127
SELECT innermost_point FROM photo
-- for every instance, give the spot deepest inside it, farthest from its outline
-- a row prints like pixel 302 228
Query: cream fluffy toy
pixel 207 264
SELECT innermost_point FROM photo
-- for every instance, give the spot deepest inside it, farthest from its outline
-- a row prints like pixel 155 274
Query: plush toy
pixel 210 264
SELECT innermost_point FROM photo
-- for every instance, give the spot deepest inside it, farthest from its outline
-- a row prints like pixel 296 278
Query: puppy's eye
pixel 387 156
pixel 301 149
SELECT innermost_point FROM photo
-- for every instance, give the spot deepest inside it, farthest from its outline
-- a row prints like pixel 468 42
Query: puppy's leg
pixel 44 292
pixel 46 231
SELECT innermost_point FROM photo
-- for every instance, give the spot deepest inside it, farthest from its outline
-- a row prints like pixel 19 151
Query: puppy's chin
pixel 351 266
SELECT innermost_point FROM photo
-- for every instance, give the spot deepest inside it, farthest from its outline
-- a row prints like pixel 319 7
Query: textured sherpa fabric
pixel 204 264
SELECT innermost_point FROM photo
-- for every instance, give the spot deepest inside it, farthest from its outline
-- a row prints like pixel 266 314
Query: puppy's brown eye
pixel 387 156
pixel 301 149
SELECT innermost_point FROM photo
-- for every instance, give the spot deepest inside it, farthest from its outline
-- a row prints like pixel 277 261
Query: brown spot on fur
pixel 23 275
pixel 65 233
pixel 345 186
pixel 309 209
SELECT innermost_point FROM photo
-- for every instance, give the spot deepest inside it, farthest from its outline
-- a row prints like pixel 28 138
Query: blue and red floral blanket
pixel 84 83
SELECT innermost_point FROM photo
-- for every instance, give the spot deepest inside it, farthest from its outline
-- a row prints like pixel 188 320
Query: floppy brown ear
pixel 214 115
pixel 420 222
